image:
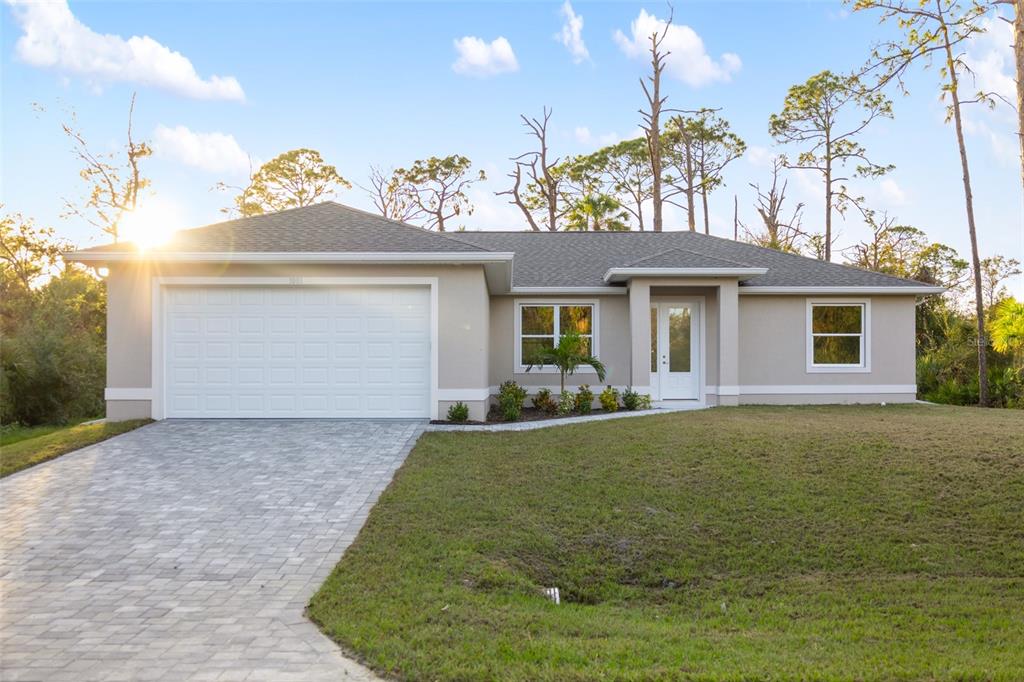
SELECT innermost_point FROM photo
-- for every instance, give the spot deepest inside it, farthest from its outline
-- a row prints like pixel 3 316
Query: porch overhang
pixel 618 275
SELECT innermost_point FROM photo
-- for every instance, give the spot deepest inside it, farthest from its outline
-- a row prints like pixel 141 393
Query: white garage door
pixel 289 352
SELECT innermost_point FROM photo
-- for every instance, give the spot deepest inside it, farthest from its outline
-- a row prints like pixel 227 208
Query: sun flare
pixel 149 225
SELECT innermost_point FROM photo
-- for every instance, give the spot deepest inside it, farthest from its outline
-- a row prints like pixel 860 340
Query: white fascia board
pixel 922 290
pixel 569 291
pixel 292 257
pixel 623 274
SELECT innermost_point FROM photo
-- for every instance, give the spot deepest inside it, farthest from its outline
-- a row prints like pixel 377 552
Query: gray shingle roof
pixel 556 259
pixel 542 259
pixel 326 227
pixel 683 258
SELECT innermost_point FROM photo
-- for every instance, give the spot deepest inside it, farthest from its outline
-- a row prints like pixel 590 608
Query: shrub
pixel 544 402
pixel 632 400
pixel 629 399
pixel 566 403
pixel 459 412
pixel 510 400
pixel 609 399
pixel 584 400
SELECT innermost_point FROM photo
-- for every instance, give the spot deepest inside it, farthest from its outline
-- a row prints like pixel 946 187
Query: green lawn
pixel 761 543
pixel 24 447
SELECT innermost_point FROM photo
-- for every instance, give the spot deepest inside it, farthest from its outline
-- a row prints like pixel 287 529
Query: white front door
pixel 676 350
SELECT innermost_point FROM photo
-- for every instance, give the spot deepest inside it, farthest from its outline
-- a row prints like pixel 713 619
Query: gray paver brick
pixel 187 550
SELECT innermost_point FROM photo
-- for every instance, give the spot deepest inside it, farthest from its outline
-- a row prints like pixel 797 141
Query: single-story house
pixel 329 311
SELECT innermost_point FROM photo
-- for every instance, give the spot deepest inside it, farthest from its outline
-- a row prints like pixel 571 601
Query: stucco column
pixel 728 343
pixel 640 336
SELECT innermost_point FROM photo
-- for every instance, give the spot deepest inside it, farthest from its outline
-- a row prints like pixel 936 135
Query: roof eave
pixel 895 290
pixel 625 274
pixel 417 258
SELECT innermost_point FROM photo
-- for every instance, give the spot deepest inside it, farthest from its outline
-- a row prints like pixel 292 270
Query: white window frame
pixel 865 336
pixel 595 317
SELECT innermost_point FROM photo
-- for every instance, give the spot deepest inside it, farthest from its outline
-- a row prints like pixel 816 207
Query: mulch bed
pixel 530 414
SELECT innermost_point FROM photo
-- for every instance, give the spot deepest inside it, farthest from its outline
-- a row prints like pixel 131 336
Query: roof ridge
pixel 690 251
pixel 243 218
pixel 401 223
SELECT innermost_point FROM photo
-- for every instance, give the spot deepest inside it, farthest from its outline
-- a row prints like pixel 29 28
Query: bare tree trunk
pixel 979 299
pixel 735 218
pixel 654 137
pixel 691 219
pixel 653 118
pixel 828 200
pixel 704 202
pixel 1018 53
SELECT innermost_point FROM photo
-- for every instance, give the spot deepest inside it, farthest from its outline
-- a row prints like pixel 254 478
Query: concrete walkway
pixel 187 550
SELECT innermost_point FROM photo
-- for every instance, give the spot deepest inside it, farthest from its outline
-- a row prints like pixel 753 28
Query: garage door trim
pixel 160 285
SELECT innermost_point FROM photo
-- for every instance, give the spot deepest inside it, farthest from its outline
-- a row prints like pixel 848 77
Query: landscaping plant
pixel 609 399
pixel 566 403
pixel 567 356
pixel 510 400
pixel 459 412
pixel 544 402
pixel 632 400
pixel 584 399
pixel 629 399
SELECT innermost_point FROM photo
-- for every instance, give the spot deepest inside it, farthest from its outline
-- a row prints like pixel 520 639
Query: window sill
pixel 825 369
pixel 552 370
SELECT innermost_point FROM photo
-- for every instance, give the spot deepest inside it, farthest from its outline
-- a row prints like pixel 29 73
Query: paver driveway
pixel 187 550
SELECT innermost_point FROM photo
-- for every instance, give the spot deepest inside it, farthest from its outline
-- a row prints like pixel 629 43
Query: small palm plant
pixel 568 356
pixel 1007 329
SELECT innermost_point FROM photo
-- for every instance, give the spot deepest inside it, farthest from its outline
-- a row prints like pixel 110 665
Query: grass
pixel 760 543
pixel 21 448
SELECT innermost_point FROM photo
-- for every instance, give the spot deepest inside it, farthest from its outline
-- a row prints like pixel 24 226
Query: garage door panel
pixel 297 352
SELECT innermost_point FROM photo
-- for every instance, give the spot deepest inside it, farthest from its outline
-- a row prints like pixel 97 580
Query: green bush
pixel 544 402
pixel 53 355
pixel 584 400
pixel 643 401
pixel 459 412
pixel 609 399
pixel 630 399
pixel 510 400
pixel 566 403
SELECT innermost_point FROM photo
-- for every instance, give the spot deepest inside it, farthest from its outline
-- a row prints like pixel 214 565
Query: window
pixel 838 336
pixel 540 325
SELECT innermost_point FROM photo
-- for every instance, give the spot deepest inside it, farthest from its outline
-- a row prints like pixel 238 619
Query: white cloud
pixel 892 192
pixel 492 212
pixel 478 58
pixel 584 136
pixel 990 57
pixel 53 38
pixel 572 34
pixel 214 152
pixel 760 157
pixel 688 61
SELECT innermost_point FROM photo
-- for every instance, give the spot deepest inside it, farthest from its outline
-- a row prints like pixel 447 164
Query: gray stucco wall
pixel 773 339
pixel 613 343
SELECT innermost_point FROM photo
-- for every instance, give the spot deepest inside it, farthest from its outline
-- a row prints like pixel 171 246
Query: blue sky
pixel 381 83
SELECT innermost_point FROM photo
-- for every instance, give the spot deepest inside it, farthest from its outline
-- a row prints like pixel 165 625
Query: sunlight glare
pixel 150 225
